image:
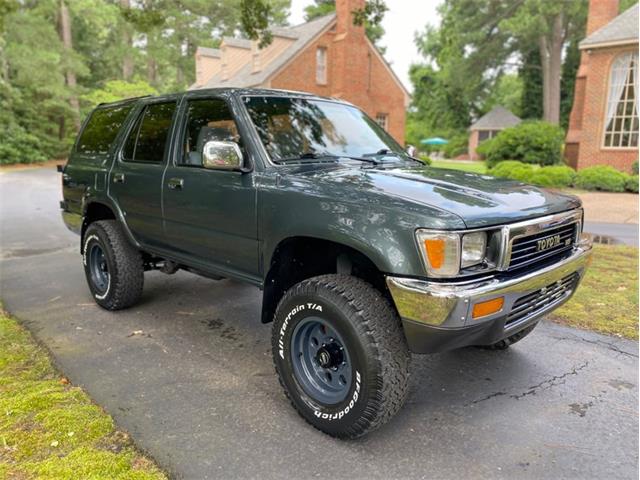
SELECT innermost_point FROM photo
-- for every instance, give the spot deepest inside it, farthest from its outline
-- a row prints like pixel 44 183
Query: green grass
pixel 607 299
pixel 472 167
pixel 50 429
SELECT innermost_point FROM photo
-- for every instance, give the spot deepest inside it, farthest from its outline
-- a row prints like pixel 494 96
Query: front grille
pixel 533 303
pixel 526 250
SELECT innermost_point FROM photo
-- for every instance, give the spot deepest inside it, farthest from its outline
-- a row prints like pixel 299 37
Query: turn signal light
pixel 489 307
pixel 435 252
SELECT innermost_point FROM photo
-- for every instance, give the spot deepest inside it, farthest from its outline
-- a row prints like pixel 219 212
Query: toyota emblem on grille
pixel 549 242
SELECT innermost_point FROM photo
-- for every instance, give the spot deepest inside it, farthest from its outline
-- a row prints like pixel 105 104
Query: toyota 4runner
pixel 363 253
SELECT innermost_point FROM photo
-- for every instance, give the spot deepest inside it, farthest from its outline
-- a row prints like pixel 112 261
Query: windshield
pixel 292 128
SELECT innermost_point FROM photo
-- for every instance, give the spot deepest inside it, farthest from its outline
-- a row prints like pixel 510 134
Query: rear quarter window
pixel 101 130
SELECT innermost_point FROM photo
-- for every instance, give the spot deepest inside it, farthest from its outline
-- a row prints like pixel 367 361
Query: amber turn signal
pixel 489 307
pixel 435 252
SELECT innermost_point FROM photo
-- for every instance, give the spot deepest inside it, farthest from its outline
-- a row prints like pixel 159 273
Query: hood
pixel 479 200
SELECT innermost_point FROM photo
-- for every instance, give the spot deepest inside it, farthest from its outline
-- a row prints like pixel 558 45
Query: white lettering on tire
pixel 84 261
pixel 345 410
pixel 285 324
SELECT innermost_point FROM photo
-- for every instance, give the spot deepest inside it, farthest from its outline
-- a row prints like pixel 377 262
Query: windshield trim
pixel 297 95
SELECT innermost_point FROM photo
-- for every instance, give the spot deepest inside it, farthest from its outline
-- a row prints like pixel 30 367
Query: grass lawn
pixel 50 429
pixel 472 167
pixel 607 299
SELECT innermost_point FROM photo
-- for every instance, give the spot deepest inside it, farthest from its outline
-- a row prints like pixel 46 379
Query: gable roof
pixel 621 30
pixel 496 119
pixel 301 35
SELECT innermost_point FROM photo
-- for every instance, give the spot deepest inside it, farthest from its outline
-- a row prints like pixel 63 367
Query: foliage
pixel 458 144
pixel 463 166
pixel 534 142
pixel 557 176
pixel 506 92
pixel 607 300
pixel 50 429
pixel 631 185
pixel 513 170
pixel 634 168
pixel 115 90
pixel 601 177
pixel 530 71
pixel 425 159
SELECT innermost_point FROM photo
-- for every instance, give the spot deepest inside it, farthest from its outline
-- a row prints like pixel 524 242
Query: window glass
pixel 321 65
pixel 381 119
pixel 101 129
pixel 147 140
pixel 207 120
pixel 621 115
pixel 291 127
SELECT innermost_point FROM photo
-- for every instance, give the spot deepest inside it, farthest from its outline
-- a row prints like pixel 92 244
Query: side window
pixel 147 140
pixel 101 129
pixel 208 119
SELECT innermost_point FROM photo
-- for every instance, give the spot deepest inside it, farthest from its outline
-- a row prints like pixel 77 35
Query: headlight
pixel 474 248
pixel 446 253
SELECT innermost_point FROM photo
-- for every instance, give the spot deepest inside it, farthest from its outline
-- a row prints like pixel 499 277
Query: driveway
pixel 188 373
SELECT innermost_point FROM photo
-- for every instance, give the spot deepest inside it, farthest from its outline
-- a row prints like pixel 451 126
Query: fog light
pixel 489 307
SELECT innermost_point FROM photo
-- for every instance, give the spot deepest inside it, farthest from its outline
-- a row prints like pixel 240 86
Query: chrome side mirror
pixel 222 156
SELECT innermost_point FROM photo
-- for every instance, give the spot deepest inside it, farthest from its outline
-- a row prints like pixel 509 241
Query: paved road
pixel 196 388
pixel 622 233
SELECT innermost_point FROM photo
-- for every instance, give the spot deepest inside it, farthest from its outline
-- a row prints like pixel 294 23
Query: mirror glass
pixel 221 155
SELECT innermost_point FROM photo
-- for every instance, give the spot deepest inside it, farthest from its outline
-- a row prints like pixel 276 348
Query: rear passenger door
pixel 210 214
pixel 136 177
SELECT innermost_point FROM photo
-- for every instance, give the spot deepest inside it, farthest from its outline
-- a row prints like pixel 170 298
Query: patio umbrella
pixel 434 141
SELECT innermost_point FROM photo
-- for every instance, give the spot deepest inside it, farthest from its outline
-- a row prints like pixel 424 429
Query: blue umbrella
pixel 434 141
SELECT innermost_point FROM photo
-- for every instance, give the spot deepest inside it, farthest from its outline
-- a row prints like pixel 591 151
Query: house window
pixel 321 65
pixel 382 119
pixel 621 116
pixel 486 135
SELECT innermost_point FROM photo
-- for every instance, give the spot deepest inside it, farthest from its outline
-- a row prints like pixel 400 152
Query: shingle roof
pixel 301 34
pixel 621 30
pixel 496 119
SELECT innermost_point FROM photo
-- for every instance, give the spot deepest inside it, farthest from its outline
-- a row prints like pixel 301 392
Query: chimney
pixel 344 14
pixel 601 12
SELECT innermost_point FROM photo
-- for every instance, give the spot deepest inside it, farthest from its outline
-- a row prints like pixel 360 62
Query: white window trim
pixel 321 69
pixel 624 98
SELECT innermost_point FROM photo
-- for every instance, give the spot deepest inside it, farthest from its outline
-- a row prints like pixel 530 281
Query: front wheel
pixel 340 354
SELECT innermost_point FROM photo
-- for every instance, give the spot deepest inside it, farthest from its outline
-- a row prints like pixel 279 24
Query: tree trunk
pixel 551 61
pixel 127 41
pixel 70 75
pixel 152 70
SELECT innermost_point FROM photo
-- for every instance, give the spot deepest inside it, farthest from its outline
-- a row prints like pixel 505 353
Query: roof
pixel 209 52
pixel 621 30
pixel 496 119
pixel 301 34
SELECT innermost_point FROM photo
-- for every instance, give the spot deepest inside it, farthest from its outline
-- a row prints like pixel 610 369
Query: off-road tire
pixel 507 342
pixel 124 264
pixel 373 336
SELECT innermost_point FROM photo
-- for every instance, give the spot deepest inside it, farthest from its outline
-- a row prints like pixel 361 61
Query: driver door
pixel 210 213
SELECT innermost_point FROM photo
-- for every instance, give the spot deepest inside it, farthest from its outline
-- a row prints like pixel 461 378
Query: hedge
pixel 601 177
pixel 529 142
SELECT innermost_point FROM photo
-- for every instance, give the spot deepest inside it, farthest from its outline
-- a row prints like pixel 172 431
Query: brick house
pixel 603 127
pixel 328 56
pixel 488 126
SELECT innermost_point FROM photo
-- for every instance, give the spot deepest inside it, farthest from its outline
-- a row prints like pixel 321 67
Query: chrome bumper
pixel 449 305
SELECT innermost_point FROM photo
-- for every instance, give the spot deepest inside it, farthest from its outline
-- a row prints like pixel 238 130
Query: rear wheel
pixel 340 354
pixel 507 342
pixel 113 267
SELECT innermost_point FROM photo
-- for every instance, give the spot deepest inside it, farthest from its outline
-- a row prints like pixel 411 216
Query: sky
pixel 403 19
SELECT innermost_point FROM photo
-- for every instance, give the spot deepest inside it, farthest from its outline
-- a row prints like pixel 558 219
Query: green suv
pixel 363 253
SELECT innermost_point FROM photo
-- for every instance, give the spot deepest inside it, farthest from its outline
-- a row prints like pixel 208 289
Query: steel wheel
pixel 99 268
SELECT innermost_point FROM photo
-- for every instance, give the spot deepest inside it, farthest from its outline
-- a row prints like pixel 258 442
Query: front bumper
pixel 437 316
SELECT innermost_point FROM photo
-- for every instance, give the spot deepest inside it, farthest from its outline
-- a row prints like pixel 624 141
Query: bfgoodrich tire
pixel 340 354
pixel 113 267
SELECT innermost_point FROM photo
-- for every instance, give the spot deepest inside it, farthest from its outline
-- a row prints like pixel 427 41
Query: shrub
pixel 634 168
pixel 512 169
pixel 458 144
pixel 529 142
pixel 631 184
pixel 554 176
pixel 602 177
pixel 425 159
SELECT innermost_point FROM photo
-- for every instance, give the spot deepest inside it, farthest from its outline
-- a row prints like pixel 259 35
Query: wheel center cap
pixel 329 356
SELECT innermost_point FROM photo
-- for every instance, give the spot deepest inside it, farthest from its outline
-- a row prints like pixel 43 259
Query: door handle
pixel 118 178
pixel 176 183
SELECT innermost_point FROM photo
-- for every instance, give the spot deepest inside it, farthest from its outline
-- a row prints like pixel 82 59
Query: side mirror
pixel 222 156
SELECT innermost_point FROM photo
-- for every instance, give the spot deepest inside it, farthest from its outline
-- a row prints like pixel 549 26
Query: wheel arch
pixel 300 257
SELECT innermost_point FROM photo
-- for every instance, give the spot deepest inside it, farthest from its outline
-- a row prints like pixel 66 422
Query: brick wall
pixel 355 72
pixel 586 131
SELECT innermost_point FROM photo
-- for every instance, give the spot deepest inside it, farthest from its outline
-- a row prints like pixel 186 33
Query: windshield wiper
pixel 386 151
pixel 321 156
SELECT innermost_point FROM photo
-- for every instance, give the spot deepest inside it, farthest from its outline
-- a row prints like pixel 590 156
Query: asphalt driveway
pixel 188 373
